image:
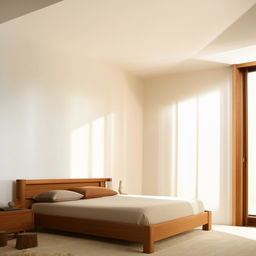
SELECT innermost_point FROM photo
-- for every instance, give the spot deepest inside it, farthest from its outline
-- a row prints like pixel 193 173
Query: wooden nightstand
pixel 16 221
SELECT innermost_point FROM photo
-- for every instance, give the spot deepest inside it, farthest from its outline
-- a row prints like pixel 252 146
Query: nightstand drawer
pixel 15 221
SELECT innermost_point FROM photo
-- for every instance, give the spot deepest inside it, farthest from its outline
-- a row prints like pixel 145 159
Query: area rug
pixel 222 240
pixel 31 253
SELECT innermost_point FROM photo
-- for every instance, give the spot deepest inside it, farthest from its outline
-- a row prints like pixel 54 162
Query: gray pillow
pixel 57 196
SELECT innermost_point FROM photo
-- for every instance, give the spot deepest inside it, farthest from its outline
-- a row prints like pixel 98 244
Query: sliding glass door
pixel 251 143
pixel 244 144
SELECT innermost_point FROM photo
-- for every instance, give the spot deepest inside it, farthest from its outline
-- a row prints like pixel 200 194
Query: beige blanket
pixel 141 210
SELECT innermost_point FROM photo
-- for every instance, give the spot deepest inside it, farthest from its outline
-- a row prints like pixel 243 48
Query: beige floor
pixel 223 240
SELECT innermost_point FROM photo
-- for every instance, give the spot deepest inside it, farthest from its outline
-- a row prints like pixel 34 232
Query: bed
pixel 140 219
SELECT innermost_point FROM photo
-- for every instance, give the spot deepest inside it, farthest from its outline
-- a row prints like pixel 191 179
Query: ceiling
pixel 235 45
pixel 11 9
pixel 145 37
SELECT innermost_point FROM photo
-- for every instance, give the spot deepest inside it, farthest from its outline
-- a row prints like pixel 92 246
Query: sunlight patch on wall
pixel 80 144
pixel 110 132
pixel 98 150
pixel 92 148
pixel 209 149
pixel 187 148
pixel 174 147
pixel 192 164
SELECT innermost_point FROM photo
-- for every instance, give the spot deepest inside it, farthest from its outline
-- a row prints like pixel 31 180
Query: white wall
pixel 65 116
pixel 187 138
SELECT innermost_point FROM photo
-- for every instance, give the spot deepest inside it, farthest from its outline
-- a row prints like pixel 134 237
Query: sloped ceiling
pixel 235 45
pixel 144 37
pixel 11 9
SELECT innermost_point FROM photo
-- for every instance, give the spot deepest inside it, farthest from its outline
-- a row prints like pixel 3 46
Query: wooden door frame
pixel 239 154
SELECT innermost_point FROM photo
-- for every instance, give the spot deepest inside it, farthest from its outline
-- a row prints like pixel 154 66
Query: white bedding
pixel 141 210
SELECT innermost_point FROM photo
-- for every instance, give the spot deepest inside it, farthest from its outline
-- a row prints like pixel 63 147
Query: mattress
pixel 140 210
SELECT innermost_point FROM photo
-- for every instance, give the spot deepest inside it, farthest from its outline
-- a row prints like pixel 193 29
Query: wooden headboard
pixel 26 189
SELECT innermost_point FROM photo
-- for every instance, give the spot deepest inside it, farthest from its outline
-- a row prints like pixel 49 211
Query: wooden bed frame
pixel 146 235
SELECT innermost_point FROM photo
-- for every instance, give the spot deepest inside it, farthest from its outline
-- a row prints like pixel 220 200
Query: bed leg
pixel 208 226
pixel 148 245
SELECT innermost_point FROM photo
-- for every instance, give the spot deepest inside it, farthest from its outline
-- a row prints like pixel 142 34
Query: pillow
pixel 94 192
pixel 57 196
